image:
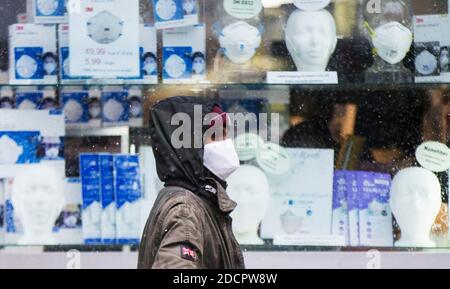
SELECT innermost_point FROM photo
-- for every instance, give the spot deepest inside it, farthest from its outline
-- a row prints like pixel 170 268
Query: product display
pixel 249 187
pixel 105 43
pixel 47 11
pixel 75 105
pixel 340 206
pixel 184 51
pixel 108 215
pixel 135 106
pixel 416 201
pixel 240 41
pixel 115 106
pixel 32 54
pixel 28 98
pixel 392 41
pixel 175 13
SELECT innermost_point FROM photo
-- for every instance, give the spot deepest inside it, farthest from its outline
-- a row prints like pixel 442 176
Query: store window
pixel 356 94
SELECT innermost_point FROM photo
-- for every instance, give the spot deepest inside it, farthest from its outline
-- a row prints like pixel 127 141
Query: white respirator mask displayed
pixel 50 68
pixel 240 41
pixel 175 66
pixel 73 110
pixel 47 7
pixel 27 105
pixel 26 66
pixel 221 158
pixel 10 151
pixel 113 110
pixel 426 63
pixel 166 9
pixel 189 6
pixel 105 28
pixel 392 42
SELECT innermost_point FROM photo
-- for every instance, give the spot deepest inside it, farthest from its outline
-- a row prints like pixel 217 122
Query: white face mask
pixel 27 105
pixel 240 41
pixel 47 7
pixel 10 151
pixel 52 153
pixel 105 28
pixel 188 6
pixel 50 68
pixel 221 158
pixel 175 66
pixel 135 109
pixel 426 63
pixel 150 66
pixel 26 66
pixel 113 110
pixel 392 41
pixel 73 110
pixel 198 67
pixel 66 67
pixel 166 9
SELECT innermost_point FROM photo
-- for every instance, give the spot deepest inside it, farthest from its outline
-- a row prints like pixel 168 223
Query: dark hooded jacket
pixel 189 226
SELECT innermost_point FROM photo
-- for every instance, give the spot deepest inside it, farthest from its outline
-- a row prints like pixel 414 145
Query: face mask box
pixel 375 216
pixel 148 56
pixel 64 60
pixel 175 13
pixel 135 105
pixel 69 225
pixel 47 11
pixel 353 208
pixel 33 59
pixel 340 206
pixel 115 109
pixel 75 106
pixel 33 136
pixel 184 55
pixel 29 98
pixel 128 198
pixel 95 107
pixel 91 191
pixel 108 214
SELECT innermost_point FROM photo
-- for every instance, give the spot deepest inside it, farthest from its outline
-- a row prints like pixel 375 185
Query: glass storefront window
pixel 346 108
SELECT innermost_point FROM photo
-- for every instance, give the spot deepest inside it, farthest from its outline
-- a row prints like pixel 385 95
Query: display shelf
pixel 283 258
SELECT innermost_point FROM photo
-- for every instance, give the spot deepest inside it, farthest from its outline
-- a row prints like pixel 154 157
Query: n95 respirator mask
pixel 47 7
pixel 113 110
pixel 240 41
pixel 26 66
pixel 392 42
pixel 166 9
pixel 105 28
pixel 73 111
pixel 175 66
pixel 426 63
pixel 10 151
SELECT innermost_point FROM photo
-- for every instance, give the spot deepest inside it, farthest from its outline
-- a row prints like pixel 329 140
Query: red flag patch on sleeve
pixel 188 254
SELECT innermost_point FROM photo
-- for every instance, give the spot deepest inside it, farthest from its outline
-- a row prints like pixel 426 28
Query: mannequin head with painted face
pixel 311 39
pixel 415 203
pixel 37 197
pixel 249 187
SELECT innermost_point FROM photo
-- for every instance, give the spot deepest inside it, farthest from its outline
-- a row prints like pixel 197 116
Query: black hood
pixel 179 166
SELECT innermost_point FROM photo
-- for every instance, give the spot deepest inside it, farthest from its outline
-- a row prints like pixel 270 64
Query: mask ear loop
pixel 372 35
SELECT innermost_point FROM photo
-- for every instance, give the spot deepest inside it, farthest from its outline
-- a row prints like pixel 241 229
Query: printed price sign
pixel 105 40
pixel 243 9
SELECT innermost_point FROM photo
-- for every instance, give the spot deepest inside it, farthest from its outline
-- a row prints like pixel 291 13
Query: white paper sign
pixel 105 40
pixel 243 9
pixel 434 156
pixel 301 199
pixel 311 5
pixel 295 77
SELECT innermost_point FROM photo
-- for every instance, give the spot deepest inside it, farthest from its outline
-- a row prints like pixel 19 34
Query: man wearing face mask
pixel 190 225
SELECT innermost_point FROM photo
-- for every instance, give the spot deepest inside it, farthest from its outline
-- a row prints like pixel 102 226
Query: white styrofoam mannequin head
pixel 38 199
pixel 275 3
pixel 415 202
pixel 249 187
pixel 311 39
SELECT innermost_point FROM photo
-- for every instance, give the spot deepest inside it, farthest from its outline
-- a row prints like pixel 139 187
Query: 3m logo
pixel 420 20
pixel 20 28
pixel 89 9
